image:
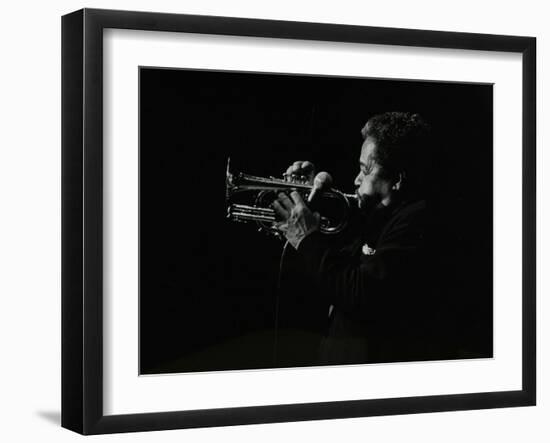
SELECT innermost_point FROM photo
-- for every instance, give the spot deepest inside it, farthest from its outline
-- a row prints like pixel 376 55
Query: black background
pixel 207 285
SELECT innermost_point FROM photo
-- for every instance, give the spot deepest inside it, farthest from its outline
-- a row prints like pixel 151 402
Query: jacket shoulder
pixel 408 222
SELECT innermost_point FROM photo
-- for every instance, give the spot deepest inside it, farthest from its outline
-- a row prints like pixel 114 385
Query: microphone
pixel 321 180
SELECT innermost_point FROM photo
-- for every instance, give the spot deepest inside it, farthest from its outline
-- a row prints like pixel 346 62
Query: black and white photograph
pixel 274 222
pixel 290 220
pixel 269 221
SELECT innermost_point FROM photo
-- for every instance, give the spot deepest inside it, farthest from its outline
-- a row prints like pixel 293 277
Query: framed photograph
pixel 268 221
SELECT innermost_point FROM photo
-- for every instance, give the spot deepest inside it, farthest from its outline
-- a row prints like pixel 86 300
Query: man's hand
pixel 301 170
pixel 297 221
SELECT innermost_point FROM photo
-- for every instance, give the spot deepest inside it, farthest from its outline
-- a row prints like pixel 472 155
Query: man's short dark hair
pixel 403 145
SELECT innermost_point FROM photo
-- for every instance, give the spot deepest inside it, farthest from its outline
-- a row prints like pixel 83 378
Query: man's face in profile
pixel 373 187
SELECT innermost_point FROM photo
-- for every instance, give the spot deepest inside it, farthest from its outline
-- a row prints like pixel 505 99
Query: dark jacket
pixel 377 286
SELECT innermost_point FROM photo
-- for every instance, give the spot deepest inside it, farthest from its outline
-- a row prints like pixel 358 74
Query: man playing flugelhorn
pixel 376 282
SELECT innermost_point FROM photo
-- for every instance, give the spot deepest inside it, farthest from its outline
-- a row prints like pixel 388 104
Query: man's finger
pixel 285 202
pixel 282 226
pixel 297 198
pixel 280 211
pixel 308 167
pixel 303 169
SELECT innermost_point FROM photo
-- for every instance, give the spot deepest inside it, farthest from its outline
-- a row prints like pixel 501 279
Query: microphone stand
pixel 277 301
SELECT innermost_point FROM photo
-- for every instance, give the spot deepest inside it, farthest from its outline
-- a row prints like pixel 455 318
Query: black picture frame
pixel 82 220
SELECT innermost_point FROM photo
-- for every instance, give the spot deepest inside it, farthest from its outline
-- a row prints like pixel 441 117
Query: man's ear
pixel 399 181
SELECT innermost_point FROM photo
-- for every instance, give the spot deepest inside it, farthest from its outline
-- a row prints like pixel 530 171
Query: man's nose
pixel 357 181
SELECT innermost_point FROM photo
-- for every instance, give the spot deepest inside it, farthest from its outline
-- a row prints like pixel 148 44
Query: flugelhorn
pixel 249 198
